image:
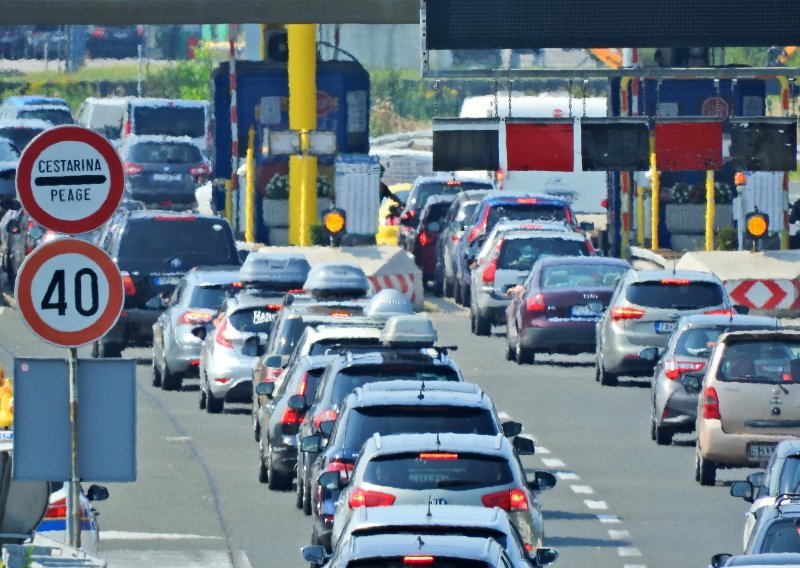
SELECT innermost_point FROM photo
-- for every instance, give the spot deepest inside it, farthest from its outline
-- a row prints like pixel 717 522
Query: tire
pixel 705 471
pixel 652 429
pixel 510 349
pixel 106 349
pixel 307 498
pixel 299 493
pixel 604 377
pixel 156 375
pixel 202 398
pixel 214 405
pixel 256 426
pixel 481 326
pixel 663 435
pixel 523 355
pixel 171 381
pixel 438 283
pixel 263 475
pixel 277 481
pixel 466 300
pixel 447 287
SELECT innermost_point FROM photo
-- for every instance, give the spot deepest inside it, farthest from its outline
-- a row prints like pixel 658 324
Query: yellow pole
pixel 655 187
pixel 710 210
pixel 640 216
pixel 229 200
pixel 302 118
pixel 785 193
pixel 250 188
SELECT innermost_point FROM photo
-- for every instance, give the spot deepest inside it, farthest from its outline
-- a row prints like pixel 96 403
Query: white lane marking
pixel 126 535
pixel 177 438
pixel 542 450
pixel 608 519
pixel 628 551
pixel 596 505
pixel 634 566
pixel 504 415
pixel 567 475
pixel 619 534
pixel 582 489
pixel 172 559
pixel 553 462
pixel 242 561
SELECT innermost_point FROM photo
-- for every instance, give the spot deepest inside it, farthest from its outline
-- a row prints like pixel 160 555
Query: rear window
pixel 400 562
pixel 520 254
pixel 54 116
pixel 526 211
pixel 783 535
pixel 19 136
pixel 209 297
pixel 425 190
pixel 169 121
pixel 697 342
pixel 387 420
pixel 365 343
pixel 436 213
pixel 764 361
pixel 569 275
pixel 165 153
pixel 438 530
pixel 349 379
pixel 434 470
pixel 253 320
pixel 675 294
pixel 192 241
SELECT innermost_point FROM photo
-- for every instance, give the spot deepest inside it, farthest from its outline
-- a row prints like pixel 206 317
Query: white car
pixel 54 523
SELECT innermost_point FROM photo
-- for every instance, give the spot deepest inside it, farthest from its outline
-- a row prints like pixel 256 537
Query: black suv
pixel 153 250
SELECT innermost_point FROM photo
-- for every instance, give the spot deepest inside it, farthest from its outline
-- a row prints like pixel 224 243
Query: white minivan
pixel 169 117
pixel 104 116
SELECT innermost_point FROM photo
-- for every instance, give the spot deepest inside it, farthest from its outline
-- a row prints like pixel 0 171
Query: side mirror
pixel 649 354
pixel 692 382
pixel 740 309
pixel 297 402
pixel 330 480
pixel 199 332
pixel 434 227
pixel 265 389
pixel 97 493
pixel 243 254
pixel 326 428
pixel 312 443
pixel 755 479
pixel 511 429
pixel 274 361
pixel 587 226
pixel 545 556
pixel 314 554
pixel 524 446
pixel 719 560
pixel 155 303
pixel 542 480
pixel 742 489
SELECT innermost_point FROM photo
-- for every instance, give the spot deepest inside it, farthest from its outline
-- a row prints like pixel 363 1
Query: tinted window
pixel 8 186
pixel 566 275
pixel 526 211
pixel 425 190
pixel 789 480
pixel 209 297
pixel 321 346
pixel 165 153
pixel 782 536
pixel 423 471
pixel 19 136
pixel 170 121
pixel 54 116
pixel 8 152
pixel 349 379
pixel 520 254
pixel 193 241
pixel 252 320
pixel 467 211
pixel 440 530
pixel 761 362
pixel 286 339
pixel 697 342
pixel 436 212
pixel 399 562
pixel 675 294
pixel 386 420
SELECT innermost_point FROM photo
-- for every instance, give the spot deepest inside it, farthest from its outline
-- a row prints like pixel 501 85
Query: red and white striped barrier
pixel 765 294
pixel 404 283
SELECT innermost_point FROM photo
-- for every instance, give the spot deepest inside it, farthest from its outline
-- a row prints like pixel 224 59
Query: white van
pixel 104 116
pixel 584 190
pixel 169 117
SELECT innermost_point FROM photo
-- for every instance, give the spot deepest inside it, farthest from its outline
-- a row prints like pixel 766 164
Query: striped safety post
pixel 233 213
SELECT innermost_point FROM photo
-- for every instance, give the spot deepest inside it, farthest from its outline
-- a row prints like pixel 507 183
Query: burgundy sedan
pixel 555 310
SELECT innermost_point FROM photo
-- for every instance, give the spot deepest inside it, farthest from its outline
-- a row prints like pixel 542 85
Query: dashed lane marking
pixel 567 475
pixel 619 534
pixel 542 450
pixel 596 505
pixel 628 551
pixel 177 438
pixel 582 489
pixel 553 462
pixel 127 535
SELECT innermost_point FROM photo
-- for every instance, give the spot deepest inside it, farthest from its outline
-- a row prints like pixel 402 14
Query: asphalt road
pixel 621 500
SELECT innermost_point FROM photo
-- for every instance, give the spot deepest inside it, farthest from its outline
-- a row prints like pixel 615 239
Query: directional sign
pixel 70 180
pixel 69 292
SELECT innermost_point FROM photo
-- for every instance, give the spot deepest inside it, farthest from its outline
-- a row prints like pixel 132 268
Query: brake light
pixel 724 312
pixel 490 271
pixel 481 226
pixel 507 499
pixel 472 234
pixel 223 337
pixel 417 560
pixel 536 303
pixel 324 416
pixel 366 498
pixel 98 32
pixel 291 417
pixel 194 318
pixel 675 282
pixel 438 456
pixel 618 314
pixel 127 128
pixel 301 390
pixel 131 169
pixel 452 182
pixel 274 307
pixel 127 282
pixel 423 238
pixel 674 369
pixel 175 218
pixel 711 404
pixel 57 509
pixel 200 171
pixel 270 374
pixel 339 314
pixel 527 200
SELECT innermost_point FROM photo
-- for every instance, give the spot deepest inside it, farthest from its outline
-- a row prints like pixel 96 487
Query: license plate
pixel 438 501
pixel 167 280
pixel 585 311
pixel 166 177
pixel 665 326
pixel 760 451
pixel 6 435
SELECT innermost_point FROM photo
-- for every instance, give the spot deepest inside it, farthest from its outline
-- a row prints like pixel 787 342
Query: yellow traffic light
pixel 756 225
pixel 334 221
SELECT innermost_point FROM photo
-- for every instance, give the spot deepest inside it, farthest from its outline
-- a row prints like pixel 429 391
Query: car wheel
pixel 523 355
pixel 202 398
pixel 106 349
pixel 299 493
pixel 510 349
pixel 156 375
pixel 652 429
pixel 277 481
pixel 263 474
pixel 480 325
pixel 447 287
pixel 466 301
pixel 604 377
pixel 170 381
pixel 214 405
pixel 706 471
pixel 663 435
pixel 256 426
pixel 438 284
pixel 307 498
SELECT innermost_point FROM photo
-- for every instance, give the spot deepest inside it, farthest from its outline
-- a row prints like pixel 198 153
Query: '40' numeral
pixel 57 288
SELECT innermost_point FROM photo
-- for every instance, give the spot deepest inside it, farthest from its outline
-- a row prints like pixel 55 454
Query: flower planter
pixel 691 218
pixel 276 212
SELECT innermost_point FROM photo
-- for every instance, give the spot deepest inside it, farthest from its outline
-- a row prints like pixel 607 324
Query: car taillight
pixel 291 417
pixel 200 171
pixel 344 468
pixel 674 369
pixel 127 282
pixel 57 509
pixel 418 560
pixel 711 404
pixel 223 338
pixel 507 499
pixel 490 271
pixel 301 390
pixel 535 303
pixel 127 128
pixel 366 498
pixel 618 314
pixel 423 238
pixel 270 374
pixel 473 233
pixel 324 416
pixel 194 318
pixel 723 312
pixel 131 169
pixel 98 32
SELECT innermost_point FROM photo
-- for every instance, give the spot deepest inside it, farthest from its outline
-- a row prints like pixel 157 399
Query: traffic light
pixel 334 225
pixel 276 43
pixel 756 224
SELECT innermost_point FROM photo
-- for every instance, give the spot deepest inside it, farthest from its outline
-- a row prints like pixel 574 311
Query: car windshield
pixel 520 254
pixel 170 120
pixel 400 562
pixel 54 116
pixel 581 275
pixel 19 135
pixel 425 190
pixel 761 361
pixel 165 153
pixel 191 241
pixel 386 420
pixel 253 320
pixel 349 379
pixel 783 535
pixel 8 152
pixel 435 470
pixel 677 294
pixel 526 211
pixel 209 297
pixel 789 479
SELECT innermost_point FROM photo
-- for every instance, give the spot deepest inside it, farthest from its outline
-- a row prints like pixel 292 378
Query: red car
pixel 428 231
pixel 555 310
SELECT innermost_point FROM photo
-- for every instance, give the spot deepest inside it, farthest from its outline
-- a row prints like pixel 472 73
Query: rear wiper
pixel 458 483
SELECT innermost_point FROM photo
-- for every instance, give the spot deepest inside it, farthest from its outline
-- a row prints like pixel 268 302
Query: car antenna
pixel 438 441
pixel 428 514
pixel 420 542
pixel 674 262
pixel 421 395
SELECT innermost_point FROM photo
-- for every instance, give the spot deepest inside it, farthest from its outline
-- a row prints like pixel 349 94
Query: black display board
pixel 767 144
pixel 615 144
pixel 465 144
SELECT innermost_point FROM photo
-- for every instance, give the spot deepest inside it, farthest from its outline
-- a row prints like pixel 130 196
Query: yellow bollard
pixel 250 188
pixel 6 401
pixel 228 213
pixel 303 118
pixel 655 187
pixel 640 232
pixel 710 210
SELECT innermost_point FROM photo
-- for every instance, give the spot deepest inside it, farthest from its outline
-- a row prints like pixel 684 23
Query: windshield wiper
pixel 458 483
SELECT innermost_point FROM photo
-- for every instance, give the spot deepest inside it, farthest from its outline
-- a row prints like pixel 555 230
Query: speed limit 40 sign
pixel 69 292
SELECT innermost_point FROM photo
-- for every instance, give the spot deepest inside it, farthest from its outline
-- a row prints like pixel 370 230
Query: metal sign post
pixel 73 497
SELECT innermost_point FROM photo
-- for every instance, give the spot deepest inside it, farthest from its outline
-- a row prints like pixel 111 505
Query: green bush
pixel 727 239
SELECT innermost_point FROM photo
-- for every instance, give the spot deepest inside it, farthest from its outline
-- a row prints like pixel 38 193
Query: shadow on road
pixel 240 411
pixel 633 383
pixel 190 388
pixel 566 516
pixel 569 541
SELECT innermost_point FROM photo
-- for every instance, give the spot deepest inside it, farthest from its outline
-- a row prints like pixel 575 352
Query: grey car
pixel 195 300
pixel 443 469
pixel 645 310
pixel 673 408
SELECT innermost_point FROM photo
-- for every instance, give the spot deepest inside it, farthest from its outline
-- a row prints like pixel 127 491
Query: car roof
pixel 201 275
pixel 415 386
pixel 545 234
pixel 394 356
pixel 134 139
pixel 360 398
pixel 243 301
pixel 497 197
pixel 504 225
pixel 467 547
pixel 562 260
pixel 768 559
pixel 166 215
pixel 316 334
pixel 760 334
pixel 787 448
pixel 158 102
pixel 25 123
pixel 47 106
pixel 447 176
pixel 657 275
pixel 435 515
pixel 439 442
pixel 716 320
pixel 436 199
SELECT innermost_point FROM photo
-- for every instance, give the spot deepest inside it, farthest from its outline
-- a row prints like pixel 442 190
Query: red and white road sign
pixel 70 180
pixel 69 292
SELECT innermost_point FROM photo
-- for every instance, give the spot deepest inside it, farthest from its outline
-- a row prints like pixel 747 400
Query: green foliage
pixel 727 239
pixel 317 235
pixel 189 79
pixel 683 193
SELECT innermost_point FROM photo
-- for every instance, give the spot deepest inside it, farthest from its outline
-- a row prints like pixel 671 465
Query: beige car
pixel 749 400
